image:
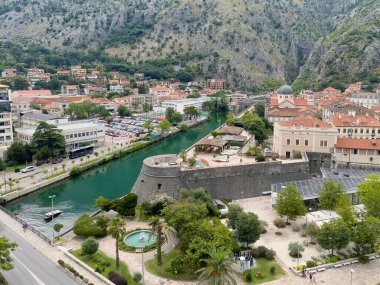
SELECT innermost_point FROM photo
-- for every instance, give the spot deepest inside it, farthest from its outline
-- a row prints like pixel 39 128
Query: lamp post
pixel 352 271
pixel 52 216
pixel 142 257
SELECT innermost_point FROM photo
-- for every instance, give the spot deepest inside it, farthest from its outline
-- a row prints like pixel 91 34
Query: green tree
pixel 162 231
pixel 312 230
pixel 289 203
pixel 219 268
pixel 255 125
pixel 58 227
pixel 169 113
pixel 329 196
pixel 126 205
pixel 19 153
pixel 234 211
pixel 260 109
pixel 86 226
pixel 334 235
pixel 20 83
pixel 176 118
pixel 364 238
pixel 248 228
pixel 48 136
pixel 5 251
pixel 143 89
pixel 90 246
pixel 164 126
pixel 369 193
pixel 279 224
pixel 148 125
pixel 124 111
pixel 345 210
pixel 116 228
pixel 295 249
pixel 191 111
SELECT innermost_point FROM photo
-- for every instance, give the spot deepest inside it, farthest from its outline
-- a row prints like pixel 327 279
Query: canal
pixel 76 196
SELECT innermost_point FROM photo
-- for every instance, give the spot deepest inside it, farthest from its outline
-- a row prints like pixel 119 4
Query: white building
pixel 31 119
pixel 6 132
pixel 180 105
pixel 75 134
pixel 366 99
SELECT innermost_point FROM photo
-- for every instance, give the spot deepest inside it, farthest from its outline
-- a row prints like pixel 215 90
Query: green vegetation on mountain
pixel 254 44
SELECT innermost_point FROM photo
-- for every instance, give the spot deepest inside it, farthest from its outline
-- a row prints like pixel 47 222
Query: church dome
pixel 286 89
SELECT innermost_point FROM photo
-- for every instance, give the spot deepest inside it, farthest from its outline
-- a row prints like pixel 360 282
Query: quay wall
pixel 157 176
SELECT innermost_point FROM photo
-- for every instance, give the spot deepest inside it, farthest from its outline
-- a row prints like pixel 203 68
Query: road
pixel 30 266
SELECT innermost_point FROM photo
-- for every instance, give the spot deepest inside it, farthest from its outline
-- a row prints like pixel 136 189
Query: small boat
pixel 50 215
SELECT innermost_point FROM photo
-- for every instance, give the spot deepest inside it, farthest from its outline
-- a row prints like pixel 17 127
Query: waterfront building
pixel 180 105
pixel 304 134
pixel 75 133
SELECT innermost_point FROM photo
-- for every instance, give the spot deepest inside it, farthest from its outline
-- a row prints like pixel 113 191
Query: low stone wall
pixel 233 182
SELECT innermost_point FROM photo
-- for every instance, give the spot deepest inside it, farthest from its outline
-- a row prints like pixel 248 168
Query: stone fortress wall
pixel 160 175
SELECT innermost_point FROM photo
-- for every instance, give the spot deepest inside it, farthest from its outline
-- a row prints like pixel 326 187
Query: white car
pixel 27 169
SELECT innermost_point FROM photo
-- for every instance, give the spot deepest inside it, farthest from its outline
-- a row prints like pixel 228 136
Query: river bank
pixel 76 196
pixel 50 180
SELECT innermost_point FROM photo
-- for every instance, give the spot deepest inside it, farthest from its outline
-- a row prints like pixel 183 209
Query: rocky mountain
pixel 249 42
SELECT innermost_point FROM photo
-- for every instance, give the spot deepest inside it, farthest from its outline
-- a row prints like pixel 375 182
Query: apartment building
pixel 216 84
pixel 9 72
pixel 304 134
pixel 358 127
pixel 366 99
pixel 357 151
pixel 6 131
pixel 70 90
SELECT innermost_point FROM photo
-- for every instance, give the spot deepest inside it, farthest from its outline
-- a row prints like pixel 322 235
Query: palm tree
pixel 116 228
pixel 162 230
pixel 218 270
pixel 183 155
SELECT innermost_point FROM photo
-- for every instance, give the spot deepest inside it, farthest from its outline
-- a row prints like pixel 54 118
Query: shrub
pixel 17 169
pixel 2 280
pixel 363 259
pixel 85 280
pixel 249 277
pixel 272 269
pixel 159 202
pixel 311 263
pixel 263 252
pixel 98 269
pixel 61 262
pixel 297 155
pixel 191 161
pixel 86 226
pixel 76 274
pixel 137 277
pixel 126 205
pixel 90 246
pixel 301 267
pixel 279 223
pixel 270 254
pixel 176 265
pixel 332 259
pixel 260 158
pixel 278 233
pixel 295 249
pixel 117 279
pixel 75 170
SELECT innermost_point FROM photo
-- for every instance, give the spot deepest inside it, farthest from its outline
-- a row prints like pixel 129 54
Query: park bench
pixel 372 257
pixel 338 265
pixel 346 263
pixel 321 269
pixel 354 261
pixel 138 250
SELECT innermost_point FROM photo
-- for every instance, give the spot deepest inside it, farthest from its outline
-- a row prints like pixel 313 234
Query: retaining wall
pixel 233 182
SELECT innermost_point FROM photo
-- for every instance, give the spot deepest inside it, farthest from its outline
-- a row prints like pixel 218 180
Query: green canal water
pixel 76 196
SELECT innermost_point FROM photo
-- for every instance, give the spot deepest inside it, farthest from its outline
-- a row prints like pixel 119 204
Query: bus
pixel 82 151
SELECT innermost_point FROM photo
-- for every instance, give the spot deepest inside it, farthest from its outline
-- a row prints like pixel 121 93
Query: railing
pixel 23 223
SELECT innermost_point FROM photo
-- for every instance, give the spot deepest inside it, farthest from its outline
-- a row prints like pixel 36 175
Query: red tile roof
pixel 369 144
pixel 305 122
pixel 357 121
pixel 32 93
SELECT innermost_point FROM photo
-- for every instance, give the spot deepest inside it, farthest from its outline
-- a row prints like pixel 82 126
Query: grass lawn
pixel 165 270
pixel 100 260
pixel 264 265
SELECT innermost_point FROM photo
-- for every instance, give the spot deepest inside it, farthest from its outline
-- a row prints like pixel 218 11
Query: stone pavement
pixel 53 253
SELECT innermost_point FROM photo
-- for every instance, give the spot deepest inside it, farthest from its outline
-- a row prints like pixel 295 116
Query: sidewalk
pixel 53 253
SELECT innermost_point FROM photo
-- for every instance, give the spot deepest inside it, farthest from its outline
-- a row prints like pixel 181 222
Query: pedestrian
pixel 311 279
pixel 314 280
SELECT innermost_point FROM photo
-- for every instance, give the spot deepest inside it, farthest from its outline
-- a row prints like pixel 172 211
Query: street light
pixel 352 271
pixel 52 215
pixel 142 256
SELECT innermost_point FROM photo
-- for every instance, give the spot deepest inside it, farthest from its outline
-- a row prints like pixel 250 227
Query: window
pixel 306 142
pixel 75 135
pixel 288 141
pixel 159 185
pixel 367 131
pixel 344 131
pixel 361 131
pixel 79 135
pixel 87 133
pixel 338 130
pixel 71 136
pixel 323 143
pixel 355 151
pixel 356 131
pixel 297 142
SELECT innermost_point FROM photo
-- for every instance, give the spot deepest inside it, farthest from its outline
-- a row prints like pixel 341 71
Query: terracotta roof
pixel 78 98
pixel 100 100
pixel 71 86
pixel 300 101
pixel 49 107
pixel 370 144
pixel 376 109
pixel 160 88
pixel 306 122
pixel 31 92
pixel 122 99
pixel 330 89
pixel 357 121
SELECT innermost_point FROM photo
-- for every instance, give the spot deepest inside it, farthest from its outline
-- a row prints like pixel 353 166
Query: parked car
pixel 27 169
pixel 57 160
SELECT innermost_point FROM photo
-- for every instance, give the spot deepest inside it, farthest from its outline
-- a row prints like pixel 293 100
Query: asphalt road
pixel 30 266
